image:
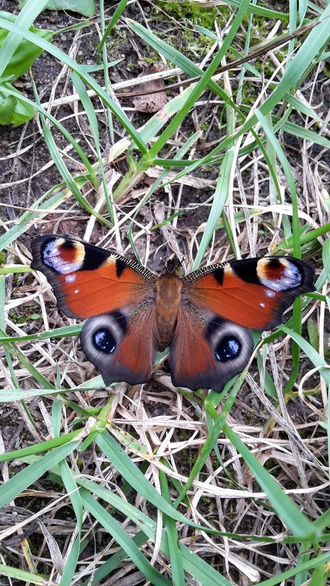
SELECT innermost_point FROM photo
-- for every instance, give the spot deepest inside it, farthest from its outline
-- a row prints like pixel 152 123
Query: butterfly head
pixel 172 265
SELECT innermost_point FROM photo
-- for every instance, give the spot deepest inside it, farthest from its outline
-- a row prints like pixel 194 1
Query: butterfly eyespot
pixel 63 257
pixel 104 341
pixel 228 348
pixel 279 275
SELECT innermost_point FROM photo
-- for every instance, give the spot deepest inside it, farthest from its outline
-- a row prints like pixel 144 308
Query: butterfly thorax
pixel 168 299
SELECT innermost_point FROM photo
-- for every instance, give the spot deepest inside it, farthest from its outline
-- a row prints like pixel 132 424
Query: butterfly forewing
pixel 253 293
pixel 88 280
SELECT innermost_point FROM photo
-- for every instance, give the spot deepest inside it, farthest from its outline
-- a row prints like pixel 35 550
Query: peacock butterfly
pixel 203 317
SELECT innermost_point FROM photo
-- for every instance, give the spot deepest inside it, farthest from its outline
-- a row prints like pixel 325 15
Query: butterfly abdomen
pixel 168 300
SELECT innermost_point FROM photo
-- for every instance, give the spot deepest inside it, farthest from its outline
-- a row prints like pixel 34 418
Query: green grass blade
pixel 39 448
pixel 220 197
pixel 301 107
pixel 120 535
pixel 312 354
pixel 295 238
pixel 193 564
pixel 172 537
pixel 15 351
pixel 26 220
pixel 203 82
pixel 71 563
pixel 57 333
pixel 297 522
pixel 115 560
pixel 180 60
pixel 120 8
pixel 292 76
pixel 260 10
pixel 87 104
pixel 62 129
pixel 138 481
pixel 24 19
pixel 308 566
pixel 305 134
pixel 85 76
pixel 75 498
pixel 57 158
pixel 15 485
pixel 212 437
pixel 21 575
pixel 326 257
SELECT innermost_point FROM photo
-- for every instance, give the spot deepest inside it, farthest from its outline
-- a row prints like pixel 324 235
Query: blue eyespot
pixel 104 341
pixel 227 349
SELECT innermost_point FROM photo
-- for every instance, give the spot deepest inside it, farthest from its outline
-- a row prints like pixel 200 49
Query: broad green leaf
pixel 13 110
pixel 84 7
pixel 17 55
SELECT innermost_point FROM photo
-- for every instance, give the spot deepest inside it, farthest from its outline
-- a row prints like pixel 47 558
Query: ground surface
pixel 155 415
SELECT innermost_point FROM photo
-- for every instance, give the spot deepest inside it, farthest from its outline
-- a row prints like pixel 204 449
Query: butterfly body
pixel 168 301
pixel 203 317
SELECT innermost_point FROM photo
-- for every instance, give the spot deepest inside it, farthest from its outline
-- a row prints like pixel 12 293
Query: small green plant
pixel 314 339
pixel 14 110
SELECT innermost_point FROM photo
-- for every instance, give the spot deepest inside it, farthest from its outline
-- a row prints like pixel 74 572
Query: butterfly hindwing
pixel 120 345
pixel 207 350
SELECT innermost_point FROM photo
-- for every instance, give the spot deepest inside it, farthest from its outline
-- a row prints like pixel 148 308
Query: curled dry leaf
pixel 152 102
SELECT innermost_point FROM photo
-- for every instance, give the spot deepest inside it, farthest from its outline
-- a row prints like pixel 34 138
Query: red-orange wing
pixel 121 344
pixel 118 295
pixel 88 280
pixel 211 343
pixel 253 293
pixel 206 350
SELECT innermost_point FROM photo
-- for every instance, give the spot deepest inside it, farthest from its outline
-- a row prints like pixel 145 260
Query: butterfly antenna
pixel 163 263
